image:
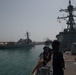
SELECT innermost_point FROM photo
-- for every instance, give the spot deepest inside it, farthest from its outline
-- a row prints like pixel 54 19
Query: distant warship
pixel 22 43
pixel 68 36
pixel 47 42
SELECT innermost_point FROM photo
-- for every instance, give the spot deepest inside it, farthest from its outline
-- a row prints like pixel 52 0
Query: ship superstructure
pixel 68 36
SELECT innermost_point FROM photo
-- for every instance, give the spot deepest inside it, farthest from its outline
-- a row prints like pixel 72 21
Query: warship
pixel 68 36
pixel 21 43
pixel 48 42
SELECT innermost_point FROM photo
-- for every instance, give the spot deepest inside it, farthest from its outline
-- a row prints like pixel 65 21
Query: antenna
pixel 69 2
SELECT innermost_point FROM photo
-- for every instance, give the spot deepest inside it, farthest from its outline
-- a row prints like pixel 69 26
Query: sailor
pixel 44 58
pixel 46 55
pixel 58 60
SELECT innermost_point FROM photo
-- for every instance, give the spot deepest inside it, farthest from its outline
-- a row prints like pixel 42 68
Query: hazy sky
pixel 38 17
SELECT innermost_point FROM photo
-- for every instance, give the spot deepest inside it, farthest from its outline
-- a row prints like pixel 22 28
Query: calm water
pixel 19 61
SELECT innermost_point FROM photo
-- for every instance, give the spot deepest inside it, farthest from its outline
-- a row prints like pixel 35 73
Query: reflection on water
pixel 19 61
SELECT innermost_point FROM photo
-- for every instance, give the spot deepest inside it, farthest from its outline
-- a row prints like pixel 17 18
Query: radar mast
pixel 71 25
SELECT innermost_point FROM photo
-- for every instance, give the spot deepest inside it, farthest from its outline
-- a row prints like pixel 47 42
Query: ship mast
pixel 27 34
pixel 71 25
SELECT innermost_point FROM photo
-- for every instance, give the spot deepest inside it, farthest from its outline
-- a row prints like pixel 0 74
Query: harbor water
pixel 19 61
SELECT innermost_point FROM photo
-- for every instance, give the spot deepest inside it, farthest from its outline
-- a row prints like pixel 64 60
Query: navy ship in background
pixel 68 36
pixel 21 43
pixel 48 42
